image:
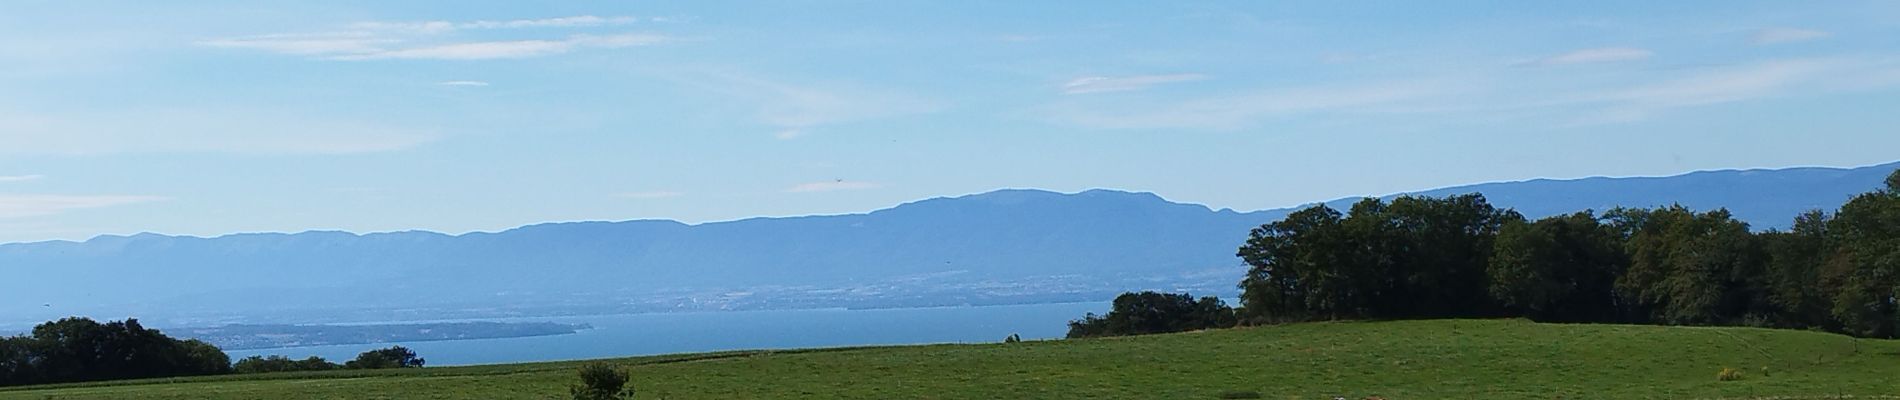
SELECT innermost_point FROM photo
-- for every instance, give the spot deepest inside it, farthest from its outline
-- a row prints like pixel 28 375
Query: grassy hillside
pixel 1459 359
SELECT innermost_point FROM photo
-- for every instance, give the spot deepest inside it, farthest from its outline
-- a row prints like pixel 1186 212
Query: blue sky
pixel 206 118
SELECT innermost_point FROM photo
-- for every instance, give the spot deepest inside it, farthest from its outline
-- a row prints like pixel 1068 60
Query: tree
pixel 1689 268
pixel 1864 270
pixel 1794 273
pixel 393 357
pixel 601 381
pixel 80 349
pixel 1150 312
pixel 1287 279
pixel 1558 268
pixel 275 363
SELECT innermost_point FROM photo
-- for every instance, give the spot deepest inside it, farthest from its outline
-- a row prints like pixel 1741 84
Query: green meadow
pixel 1431 359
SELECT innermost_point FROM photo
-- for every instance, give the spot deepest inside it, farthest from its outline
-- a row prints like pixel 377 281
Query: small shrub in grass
pixel 1729 374
pixel 601 381
pixel 1238 394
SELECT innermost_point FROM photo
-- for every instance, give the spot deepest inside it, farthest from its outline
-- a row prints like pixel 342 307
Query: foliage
pixel 1460 257
pixel 601 381
pixel 1728 374
pixel 80 349
pixel 1151 312
pixel 261 364
pixel 1416 257
pixel 392 357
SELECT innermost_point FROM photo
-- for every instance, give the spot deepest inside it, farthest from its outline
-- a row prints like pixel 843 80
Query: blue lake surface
pixel 667 333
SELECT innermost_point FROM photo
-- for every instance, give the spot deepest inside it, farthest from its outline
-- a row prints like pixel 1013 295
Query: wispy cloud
pixel 20 178
pixel 1763 80
pixel 830 186
pixel 317 44
pixel 1100 84
pixel 379 40
pixel 1241 110
pixel 248 131
pixel 1596 55
pixel 34 205
pixel 650 195
pixel 1785 35
pixel 795 110
pixel 463 83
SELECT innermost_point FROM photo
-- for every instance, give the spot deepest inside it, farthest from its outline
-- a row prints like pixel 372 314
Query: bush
pixel 393 357
pixel 601 381
pixel 1729 374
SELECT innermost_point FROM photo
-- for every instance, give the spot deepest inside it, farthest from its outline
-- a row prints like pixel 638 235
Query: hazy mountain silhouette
pixel 982 242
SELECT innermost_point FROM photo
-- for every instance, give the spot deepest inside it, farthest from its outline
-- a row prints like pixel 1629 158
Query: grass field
pixel 1442 359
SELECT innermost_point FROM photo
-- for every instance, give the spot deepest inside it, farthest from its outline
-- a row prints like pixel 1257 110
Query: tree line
pixel 79 349
pixel 1459 256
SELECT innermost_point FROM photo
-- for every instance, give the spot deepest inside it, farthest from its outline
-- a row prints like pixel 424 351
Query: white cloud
pixel 796 110
pixel 1763 80
pixel 1785 35
pixel 463 83
pixel 561 22
pixel 1596 55
pixel 20 178
pixel 190 130
pixel 650 195
pixel 1240 111
pixel 1099 84
pixel 307 44
pixel 830 186
pixel 377 40
pixel 509 49
pixel 34 205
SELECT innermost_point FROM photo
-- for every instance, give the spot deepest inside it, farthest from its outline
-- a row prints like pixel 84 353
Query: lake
pixel 667 333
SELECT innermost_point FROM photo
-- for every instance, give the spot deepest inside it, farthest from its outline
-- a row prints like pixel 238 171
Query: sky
pixel 212 117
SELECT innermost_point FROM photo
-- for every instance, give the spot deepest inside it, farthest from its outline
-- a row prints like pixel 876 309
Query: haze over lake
pixel 667 333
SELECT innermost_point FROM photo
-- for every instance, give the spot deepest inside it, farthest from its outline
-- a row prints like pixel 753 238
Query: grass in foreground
pixel 1442 359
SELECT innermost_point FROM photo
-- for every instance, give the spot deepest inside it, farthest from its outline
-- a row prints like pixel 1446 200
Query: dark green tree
pixel 1150 312
pixel 601 381
pixel 1864 270
pixel 1558 269
pixel 392 357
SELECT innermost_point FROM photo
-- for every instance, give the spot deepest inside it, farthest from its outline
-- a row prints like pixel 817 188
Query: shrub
pixel 1729 374
pixel 601 381
pixel 393 357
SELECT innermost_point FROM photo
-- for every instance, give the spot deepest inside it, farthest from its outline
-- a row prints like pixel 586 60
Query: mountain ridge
pixel 1004 246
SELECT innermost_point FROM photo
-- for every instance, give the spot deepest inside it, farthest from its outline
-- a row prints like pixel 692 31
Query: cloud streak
pixel 246 131
pixel 1596 55
pixel 830 186
pixel 1785 35
pixel 1103 84
pixel 36 205
pixel 20 178
pixel 434 40
pixel 663 194
pixel 1241 110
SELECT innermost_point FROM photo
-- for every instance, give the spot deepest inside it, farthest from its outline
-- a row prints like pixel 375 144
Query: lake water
pixel 648 334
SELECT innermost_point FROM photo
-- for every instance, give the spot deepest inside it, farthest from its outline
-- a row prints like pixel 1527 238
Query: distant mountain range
pixel 998 247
